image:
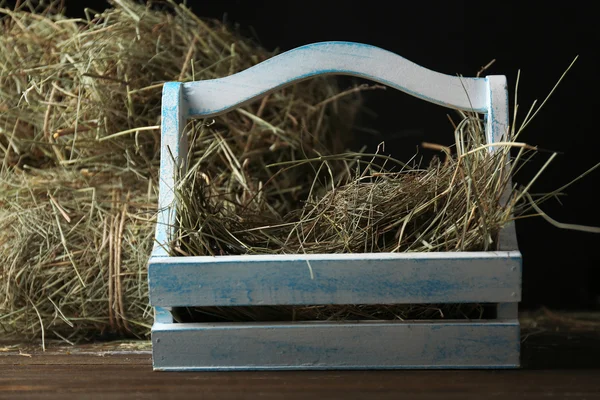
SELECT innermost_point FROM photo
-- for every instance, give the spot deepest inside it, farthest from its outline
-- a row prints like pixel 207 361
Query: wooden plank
pixel 173 145
pixel 140 382
pixel 359 345
pixel 336 279
pixel 497 121
pixel 58 352
pixel 82 358
pixel 216 96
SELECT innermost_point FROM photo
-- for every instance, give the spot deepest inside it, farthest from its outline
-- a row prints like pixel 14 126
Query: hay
pixel 79 140
pixel 348 203
pixel 76 247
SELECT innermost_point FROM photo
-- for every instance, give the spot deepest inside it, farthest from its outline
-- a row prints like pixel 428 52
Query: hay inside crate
pixel 337 203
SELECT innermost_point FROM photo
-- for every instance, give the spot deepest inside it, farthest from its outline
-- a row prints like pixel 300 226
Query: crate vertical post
pixel 491 277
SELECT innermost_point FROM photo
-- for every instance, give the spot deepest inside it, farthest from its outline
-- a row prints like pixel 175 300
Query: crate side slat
pixel 172 157
pixel 369 345
pixel 336 279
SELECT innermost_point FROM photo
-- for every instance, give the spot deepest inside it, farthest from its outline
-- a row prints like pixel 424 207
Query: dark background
pixel 561 269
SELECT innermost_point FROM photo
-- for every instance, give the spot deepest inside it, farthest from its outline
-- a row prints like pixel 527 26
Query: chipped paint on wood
pixel 336 279
pixel 345 345
pixel 216 96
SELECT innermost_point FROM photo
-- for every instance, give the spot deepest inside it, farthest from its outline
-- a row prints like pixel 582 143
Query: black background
pixel 561 269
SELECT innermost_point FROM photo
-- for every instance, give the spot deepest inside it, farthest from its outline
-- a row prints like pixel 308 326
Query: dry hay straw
pixel 347 203
pixel 352 202
pixel 79 139
pixel 75 248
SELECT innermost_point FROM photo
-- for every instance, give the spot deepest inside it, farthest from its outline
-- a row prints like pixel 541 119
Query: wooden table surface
pixel 560 357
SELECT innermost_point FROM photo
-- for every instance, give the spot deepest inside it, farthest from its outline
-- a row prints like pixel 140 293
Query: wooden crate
pixel 492 277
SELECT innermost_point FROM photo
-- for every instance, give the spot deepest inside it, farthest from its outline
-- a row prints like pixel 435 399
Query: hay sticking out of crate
pixel 233 200
pixel 79 146
pixel 355 203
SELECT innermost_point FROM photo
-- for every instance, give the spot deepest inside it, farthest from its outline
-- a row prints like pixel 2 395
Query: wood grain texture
pixel 364 345
pixel 139 382
pixel 560 361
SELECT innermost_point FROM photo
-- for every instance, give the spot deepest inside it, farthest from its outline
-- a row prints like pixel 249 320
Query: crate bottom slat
pixel 345 345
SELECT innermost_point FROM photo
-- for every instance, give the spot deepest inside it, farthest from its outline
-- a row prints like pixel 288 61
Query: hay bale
pixel 79 140
pixel 76 246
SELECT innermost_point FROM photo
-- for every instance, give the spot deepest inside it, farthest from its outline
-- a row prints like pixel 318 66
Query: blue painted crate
pixel 467 277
